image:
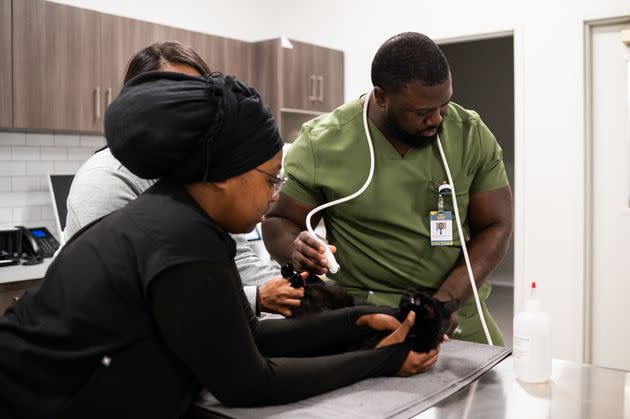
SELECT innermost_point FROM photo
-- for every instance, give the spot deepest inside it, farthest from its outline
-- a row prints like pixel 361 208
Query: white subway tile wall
pixel 25 161
pixel 13 138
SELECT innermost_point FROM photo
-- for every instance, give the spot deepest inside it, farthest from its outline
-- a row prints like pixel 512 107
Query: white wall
pixel 240 19
pixel 549 99
pixel 549 119
pixel 25 160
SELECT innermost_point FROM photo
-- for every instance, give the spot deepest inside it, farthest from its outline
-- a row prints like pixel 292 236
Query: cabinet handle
pixel 97 103
pixel 313 80
pixel 108 97
pixel 320 79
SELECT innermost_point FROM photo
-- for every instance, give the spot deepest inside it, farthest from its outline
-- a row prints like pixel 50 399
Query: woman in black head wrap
pixel 143 308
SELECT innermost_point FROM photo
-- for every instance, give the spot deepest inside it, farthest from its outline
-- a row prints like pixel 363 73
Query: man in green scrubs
pixel 400 232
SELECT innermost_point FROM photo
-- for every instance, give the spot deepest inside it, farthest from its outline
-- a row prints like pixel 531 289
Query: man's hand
pixel 278 296
pixel 308 254
pixel 416 362
pixel 442 297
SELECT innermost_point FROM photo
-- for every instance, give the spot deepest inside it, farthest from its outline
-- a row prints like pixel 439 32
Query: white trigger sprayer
pixel 334 267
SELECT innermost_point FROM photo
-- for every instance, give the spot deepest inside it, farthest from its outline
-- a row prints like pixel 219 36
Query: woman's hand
pixel 278 296
pixel 416 362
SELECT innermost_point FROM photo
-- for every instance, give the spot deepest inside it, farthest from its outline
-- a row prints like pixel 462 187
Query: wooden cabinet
pixel 266 75
pixel 56 67
pixel 298 83
pixel 238 59
pixel 299 80
pixel 211 48
pixel 313 77
pixel 121 39
pixel 68 65
pixel 10 292
pixel 228 56
pixel 329 71
pixel 6 71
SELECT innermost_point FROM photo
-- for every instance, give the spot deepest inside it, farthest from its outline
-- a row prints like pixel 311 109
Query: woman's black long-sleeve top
pixel 146 306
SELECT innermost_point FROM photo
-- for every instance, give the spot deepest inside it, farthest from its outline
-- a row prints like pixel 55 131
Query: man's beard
pixel 412 140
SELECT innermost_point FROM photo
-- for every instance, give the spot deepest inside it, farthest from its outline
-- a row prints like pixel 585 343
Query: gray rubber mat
pixel 459 364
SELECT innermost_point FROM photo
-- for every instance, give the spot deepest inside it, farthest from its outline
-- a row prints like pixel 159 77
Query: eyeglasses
pixel 277 180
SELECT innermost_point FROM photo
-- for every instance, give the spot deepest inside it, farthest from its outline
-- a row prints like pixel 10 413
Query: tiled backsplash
pixel 25 160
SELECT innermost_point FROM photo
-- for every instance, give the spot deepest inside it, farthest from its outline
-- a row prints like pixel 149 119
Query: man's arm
pixel 286 238
pixel 490 218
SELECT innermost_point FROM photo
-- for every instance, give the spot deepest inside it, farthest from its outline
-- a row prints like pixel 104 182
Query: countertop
pixel 574 391
pixel 16 273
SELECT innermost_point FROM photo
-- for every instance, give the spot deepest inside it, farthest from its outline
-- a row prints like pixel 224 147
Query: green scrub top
pixel 382 236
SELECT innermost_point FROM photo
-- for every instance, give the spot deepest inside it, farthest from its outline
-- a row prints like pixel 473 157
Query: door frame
pixel 519 178
pixel 589 26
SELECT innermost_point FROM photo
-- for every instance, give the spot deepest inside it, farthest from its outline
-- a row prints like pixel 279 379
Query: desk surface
pixel 16 273
pixel 574 391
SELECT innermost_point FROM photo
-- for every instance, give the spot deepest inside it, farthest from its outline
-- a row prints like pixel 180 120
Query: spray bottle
pixel 532 342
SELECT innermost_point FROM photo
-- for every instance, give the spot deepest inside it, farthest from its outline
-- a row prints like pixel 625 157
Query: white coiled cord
pixel 333 266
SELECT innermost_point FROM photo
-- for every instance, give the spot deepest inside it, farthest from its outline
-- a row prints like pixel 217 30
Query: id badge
pixel 441 223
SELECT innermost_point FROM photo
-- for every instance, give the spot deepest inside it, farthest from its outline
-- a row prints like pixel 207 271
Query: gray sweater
pixel 103 185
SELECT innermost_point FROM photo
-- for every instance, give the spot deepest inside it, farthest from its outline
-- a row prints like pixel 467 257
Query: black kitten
pixel 433 317
pixel 321 296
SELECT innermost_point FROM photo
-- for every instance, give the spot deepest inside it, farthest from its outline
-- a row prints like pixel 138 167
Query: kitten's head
pixel 433 318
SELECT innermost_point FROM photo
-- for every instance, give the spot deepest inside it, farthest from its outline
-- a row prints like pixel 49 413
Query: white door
pixel 610 216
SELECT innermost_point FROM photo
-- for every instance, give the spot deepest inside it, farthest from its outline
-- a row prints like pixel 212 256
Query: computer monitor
pixel 254 234
pixel 59 186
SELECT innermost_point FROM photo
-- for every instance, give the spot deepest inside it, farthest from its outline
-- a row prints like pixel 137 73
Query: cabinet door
pixel 266 74
pixel 56 67
pixel 238 58
pixel 329 69
pixel 299 80
pixel 6 90
pixel 10 292
pixel 228 56
pixel 211 48
pixel 162 33
pixel 122 39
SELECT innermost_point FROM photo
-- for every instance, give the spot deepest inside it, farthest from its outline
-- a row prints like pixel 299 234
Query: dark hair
pixel 155 56
pixel 407 57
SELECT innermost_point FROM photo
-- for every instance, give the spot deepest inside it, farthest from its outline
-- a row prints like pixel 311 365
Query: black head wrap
pixel 190 129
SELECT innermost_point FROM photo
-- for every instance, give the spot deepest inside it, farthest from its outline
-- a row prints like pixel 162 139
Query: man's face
pixel 414 116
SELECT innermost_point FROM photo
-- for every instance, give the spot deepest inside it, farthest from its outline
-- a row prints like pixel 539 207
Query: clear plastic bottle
pixel 532 342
